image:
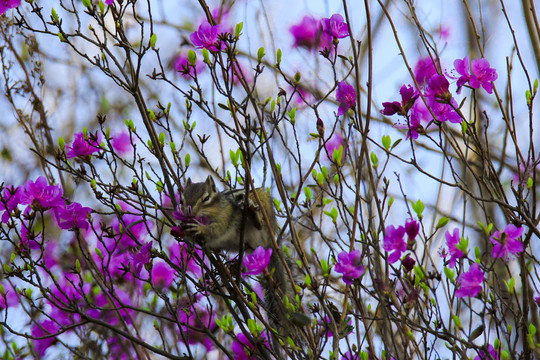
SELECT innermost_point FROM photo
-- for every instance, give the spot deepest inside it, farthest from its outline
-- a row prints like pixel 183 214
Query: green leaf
pixel 325 268
pixel 101 6
pixel 54 15
pixel 153 39
pixel 510 285
pixel 463 245
pixel 333 214
pixel 2 290
pixel 87 3
pixel 307 280
pixel 260 54
pixel 449 274
pixel 418 207
pixel 187 160
pixel 464 127
pixel 320 178
pixel 528 96
pixel 234 158
pixel 386 141
pixel 238 29
pixel 61 143
pixel 173 146
pixel 192 57
pixel 61 37
pixel 77 265
pixel 535 86
pixel 307 193
pixel 374 160
pixel 532 328
pixel 457 321
pixel 442 222
pixel 99 253
pixel 206 56
pixel 278 56
pixel 297 77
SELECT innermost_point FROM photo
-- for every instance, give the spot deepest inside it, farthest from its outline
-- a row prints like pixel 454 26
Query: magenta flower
pixel 412 227
pixel 308 34
pixel 257 262
pixel 438 87
pixel 180 255
pixel 72 216
pixel 109 2
pixel 162 274
pixel 470 283
pixel 444 112
pixel 44 329
pixel 493 355
pixel 335 26
pixel 424 70
pixel 408 263
pixel 408 98
pixel 452 240
pixel 350 356
pixel 507 241
pixel 121 142
pixel 5 5
pixel 393 241
pixel 346 96
pixel 11 198
pixel 206 37
pixel 39 193
pixel 84 147
pixel 350 265
pixel 135 228
pixel 142 257
pixel 10 297
pixel 182 65
pixel 242 345
pixel 480 74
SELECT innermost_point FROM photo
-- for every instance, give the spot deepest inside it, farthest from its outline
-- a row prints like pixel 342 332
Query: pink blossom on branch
pixel 72 216
pixel 452 240
pixel 207 36
pixel 84 147
pixel 346 96
pixel 507 241
pixel 243 346
pixel 257 262
pixel 350 265
pixel 5 5
pixel 309 35
pixel 393 241
pixel 335 26
pixel 40 193
pixel 470 283
pixel 408 98
pixel 479 73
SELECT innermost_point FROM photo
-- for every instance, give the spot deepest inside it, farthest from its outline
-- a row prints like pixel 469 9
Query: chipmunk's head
pixel 198 198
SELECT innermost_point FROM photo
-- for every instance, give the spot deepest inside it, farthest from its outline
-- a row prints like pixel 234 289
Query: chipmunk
pixel 216 220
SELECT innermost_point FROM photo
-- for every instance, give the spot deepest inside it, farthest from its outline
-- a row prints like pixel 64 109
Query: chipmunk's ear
pixel 188 182
pixel 210 182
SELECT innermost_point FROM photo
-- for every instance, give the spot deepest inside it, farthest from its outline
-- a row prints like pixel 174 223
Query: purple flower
pixel 470 283
pixel 5 5
pixel 493 355
pixel 444 112
pixel 424 70
pixel 438 87
pixel 182 65
pixel 393 241
pixel 206 37
pixel 507 241
pixel 138 259
pixel 196 317
pixel 308 34
pixel 242 345
pixel 479 74
pixel 72 216
pixel 350 265
pixel 162 274
pixel 43 330
pixel 346 96
pixel 181 255
pixel 109 2
pixel 10 298
pixel 482 75
pixel 11 197
pixel 335 26
pixel 39 193
pixel 350 356
pixel 412 227
pixel 84 147
pixel 257 262
pixel 121 143
pixel 408 98
pixel 452 240
pixel 408 263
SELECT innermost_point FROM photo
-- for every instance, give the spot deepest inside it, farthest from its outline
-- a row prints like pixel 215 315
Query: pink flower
pixel 5 5
pixel 40 193
pixel 480 74
pixel 140 258
pixel 346 96
pixel 10 298
pixel 507 241
pixel 470 283
pixel 350 265
pixel 72 216
pixel 121 143
pixel 438 87
pixel 424 70
pixel 182 65
pixel 84 147
pixel 393 241
pixel 452 240
pixel 240 346
pixel 43 330
pixel 412 227
pixel 408 263
pixel 408 98
pixel 308 34
pixel 493 355
pixel 335 26
pixel 196 317
pixel 257 262
pixel 109 2
pixel 444 112
pixel 162 274
pixel 206 36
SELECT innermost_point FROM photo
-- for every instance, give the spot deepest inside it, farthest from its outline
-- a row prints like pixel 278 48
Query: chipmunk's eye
pixel 206 198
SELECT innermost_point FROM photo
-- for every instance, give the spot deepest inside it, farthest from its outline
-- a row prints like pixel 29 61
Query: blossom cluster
pixel 431 99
